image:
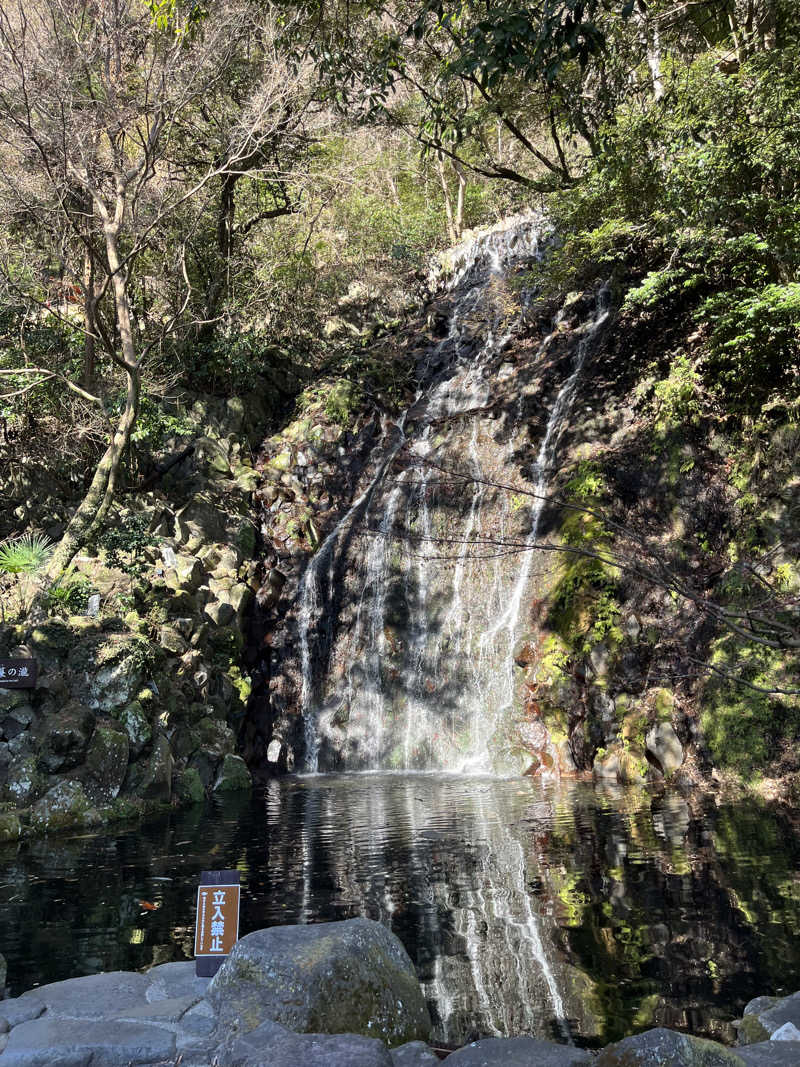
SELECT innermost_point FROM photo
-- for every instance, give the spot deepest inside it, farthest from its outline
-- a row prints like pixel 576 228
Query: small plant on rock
pixel 21 558
pixel 26 554
pixel 69 597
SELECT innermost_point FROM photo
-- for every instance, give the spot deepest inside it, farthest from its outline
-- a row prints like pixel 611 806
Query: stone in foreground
pixel 95 996
pixel 656 1048
pixel 273 1045
pixel 517 1052
pixel 351 977
pixel 414 1054
pixel 170 980
pixel 79 1043
pixel 771 1054
pixel 765 1015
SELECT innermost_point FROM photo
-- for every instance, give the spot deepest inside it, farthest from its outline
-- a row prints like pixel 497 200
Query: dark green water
pixel 551 911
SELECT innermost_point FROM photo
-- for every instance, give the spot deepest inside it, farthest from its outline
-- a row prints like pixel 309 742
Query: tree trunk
pixel 89 322
pixel 458 218
pixel 94 507
pixel 651 42
pixel 448 203
pixel 219 285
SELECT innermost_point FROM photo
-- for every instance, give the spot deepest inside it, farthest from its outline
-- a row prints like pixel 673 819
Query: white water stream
pixel 429 655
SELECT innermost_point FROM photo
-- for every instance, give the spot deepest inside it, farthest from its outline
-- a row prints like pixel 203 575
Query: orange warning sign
pixel 217 928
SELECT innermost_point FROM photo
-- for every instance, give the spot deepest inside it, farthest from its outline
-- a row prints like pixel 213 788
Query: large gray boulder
pixel 656 1048
pixel 335 978
pixel 272 1045
pixel 106 763
pixel 517 1052
pixel 19 1010
pixel 764 1015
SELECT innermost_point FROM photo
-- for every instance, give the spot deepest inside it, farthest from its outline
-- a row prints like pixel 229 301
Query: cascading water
pixel 429 652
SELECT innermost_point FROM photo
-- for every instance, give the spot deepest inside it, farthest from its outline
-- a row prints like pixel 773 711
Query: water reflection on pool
pixel 561 911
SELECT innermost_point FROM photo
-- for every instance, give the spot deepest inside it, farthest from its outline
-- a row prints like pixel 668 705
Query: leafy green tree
pixel 92 104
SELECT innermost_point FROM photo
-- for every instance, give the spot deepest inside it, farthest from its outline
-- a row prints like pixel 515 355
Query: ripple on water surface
pixel 564 912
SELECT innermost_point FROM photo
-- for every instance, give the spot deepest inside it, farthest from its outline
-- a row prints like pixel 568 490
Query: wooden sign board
pixel 18 673
pixel 217 925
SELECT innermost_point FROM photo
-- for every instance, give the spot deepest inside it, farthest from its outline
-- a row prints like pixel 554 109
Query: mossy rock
pixel 106 763
pixel 664 704
pixel 656 1048
pixel 156 781
pixel 12 698
pixel 282 462
pixel 233 776
pixel 634 726
pixel 344 977
pixel 136 723
pixel 23 782
pixel 189 787
pixel 62 807
pixel 10 830
pixel 632 765
pixel 64 736
pixel 215 737
pixel 751 1032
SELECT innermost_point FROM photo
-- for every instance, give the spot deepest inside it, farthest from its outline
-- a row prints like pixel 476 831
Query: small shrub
pixel 26 554
pixel 677 397
pixel 69 597
pixel 125 542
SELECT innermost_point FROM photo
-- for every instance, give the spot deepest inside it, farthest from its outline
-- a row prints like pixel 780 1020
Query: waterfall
pixel 429 654
pixel 315 589
pixel 507 623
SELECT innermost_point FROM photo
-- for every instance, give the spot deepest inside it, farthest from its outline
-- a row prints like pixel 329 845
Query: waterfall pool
pixel 563 911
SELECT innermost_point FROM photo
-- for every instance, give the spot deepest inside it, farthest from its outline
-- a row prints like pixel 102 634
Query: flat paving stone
pixel 96 996
pixel 160 1012
pixel 517 1052
pixel 199 1021
pixel 271 1045
pixel 170 980
pixel 49 1041
pixel 20 1010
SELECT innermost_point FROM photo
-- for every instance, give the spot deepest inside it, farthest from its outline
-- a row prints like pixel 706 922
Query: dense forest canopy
pixel 186 190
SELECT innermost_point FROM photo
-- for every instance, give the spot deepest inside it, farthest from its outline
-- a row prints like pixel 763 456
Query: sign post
pixel 217 925
pixel 18 673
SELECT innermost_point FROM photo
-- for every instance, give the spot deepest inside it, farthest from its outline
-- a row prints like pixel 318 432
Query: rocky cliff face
pixel 501 557
pixel 142 689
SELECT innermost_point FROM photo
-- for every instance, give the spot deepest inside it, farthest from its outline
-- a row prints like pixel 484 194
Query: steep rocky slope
pixel 408 620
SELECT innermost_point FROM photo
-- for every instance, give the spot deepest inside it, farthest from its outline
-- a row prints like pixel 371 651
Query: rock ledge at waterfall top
pixel 345 976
